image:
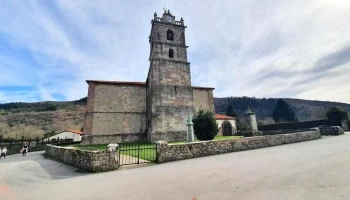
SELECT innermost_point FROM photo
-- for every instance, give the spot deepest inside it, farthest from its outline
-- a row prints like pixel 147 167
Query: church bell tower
pixel 169 92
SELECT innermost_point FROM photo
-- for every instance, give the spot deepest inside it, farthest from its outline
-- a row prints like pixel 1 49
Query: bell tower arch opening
pixel 170 34
pixel 171 53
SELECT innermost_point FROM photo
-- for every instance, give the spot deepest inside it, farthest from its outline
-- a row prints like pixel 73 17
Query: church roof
pixel 205 88
pixel 116 82
pixel 217 116
pixel 137 83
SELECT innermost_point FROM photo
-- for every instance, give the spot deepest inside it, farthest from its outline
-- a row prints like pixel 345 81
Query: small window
pixel 170 34
pixel 171 53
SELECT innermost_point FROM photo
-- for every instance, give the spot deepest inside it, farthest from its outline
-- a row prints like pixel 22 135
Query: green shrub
pixel 3 112
pixel 204 125
pixel 245 133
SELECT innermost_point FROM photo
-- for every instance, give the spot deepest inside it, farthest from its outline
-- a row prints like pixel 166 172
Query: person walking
pixel 3 152
pixel 25 149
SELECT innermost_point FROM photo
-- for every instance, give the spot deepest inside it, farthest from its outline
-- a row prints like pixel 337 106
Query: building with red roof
pixel 74 135
pixel 227 125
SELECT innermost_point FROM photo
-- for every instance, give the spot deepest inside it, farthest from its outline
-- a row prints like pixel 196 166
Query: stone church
pixel 156 109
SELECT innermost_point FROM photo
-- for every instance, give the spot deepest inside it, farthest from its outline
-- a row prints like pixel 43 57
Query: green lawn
pixel 146 151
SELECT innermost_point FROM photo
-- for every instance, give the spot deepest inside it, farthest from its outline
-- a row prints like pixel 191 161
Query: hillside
pixel 35 119
pixel 304 109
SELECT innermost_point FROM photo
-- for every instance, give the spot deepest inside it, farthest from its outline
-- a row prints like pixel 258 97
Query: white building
pixel 75 135
pixel 226 124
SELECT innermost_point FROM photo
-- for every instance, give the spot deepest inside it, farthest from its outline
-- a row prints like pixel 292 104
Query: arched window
pixel 171 53
pixel 170 34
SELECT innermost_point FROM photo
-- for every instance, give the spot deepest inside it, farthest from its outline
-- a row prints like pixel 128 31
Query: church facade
pixel 156 109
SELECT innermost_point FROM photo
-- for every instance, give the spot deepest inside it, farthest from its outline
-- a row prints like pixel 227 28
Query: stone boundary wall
pixel 91 161
pixel 166 153
pixel 285 131
pixel 333 130
pixel 293 125
pixel 249 133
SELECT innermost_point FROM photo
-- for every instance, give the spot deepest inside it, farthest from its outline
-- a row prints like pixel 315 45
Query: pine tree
pixel 204 125
pixel 230 112
pixel 283 112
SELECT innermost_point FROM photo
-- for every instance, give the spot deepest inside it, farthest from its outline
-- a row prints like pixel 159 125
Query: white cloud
pixel 262 49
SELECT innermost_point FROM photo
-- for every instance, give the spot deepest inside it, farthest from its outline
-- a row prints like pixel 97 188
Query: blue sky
pixel 267 48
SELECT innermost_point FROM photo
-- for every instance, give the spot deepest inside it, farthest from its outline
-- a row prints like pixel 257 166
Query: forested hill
pixel 57 116
pixel 304 109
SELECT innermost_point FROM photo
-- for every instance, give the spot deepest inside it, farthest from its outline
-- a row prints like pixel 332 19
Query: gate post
pixel 22 141
pixel 138 152
pixel 162 148
pixel 114 156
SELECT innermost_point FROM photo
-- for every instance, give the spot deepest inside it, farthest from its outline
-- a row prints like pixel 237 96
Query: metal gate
pixel 137 152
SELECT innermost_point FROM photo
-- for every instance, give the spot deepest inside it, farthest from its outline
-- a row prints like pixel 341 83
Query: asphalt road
pixel 309 170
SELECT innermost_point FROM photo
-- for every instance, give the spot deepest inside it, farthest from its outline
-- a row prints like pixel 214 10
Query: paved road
pixel 309 170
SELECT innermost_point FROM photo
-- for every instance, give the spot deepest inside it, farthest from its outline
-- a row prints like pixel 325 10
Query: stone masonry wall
pixel 161 51
pixel 119 98
pixel 203 99
pixel 171 105
pixel 166 153
pixel 333 130
pixel 91 161
pixel 169 72
pixel 159 31
pixel 118 111
pixel 285 131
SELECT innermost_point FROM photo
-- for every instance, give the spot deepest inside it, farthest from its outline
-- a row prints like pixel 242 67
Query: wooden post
pixel 10 144
pixel 29 143
pixel 36 144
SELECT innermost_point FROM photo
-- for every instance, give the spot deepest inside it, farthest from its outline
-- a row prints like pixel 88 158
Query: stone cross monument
pixel 190 133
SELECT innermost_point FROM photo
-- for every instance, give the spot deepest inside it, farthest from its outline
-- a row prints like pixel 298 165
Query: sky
pixel 266 48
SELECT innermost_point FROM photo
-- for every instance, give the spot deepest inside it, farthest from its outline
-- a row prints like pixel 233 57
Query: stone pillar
pixel 162 149
pixel 344 125
pixel 113 150
pixel 190 133
pixel 250 119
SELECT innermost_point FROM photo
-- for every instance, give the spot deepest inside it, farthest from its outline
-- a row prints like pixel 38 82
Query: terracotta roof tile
pixel 217 116
pixel 75 131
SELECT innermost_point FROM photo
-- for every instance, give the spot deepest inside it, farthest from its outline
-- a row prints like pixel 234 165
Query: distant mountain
pixel 304 109
pixel 56 116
